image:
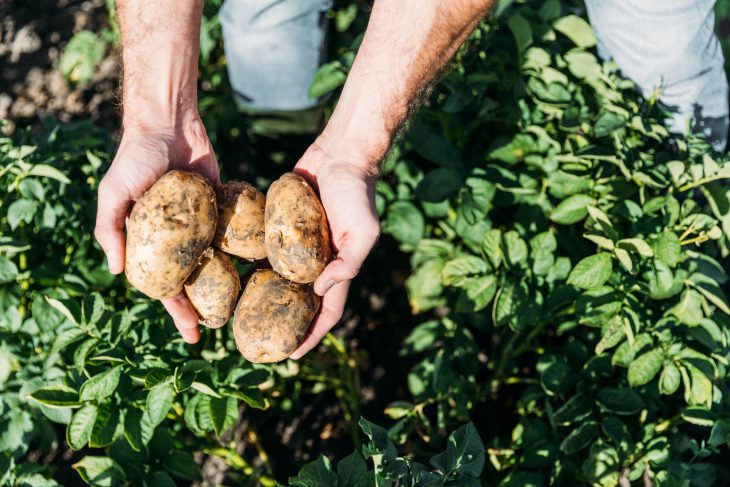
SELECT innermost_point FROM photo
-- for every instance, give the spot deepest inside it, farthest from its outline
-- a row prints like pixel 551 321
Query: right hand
pixel 144 155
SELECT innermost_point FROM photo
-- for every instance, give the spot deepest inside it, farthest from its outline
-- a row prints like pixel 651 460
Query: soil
pixel 32 37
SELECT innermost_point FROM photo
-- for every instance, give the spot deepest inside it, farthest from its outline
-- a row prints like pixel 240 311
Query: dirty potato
pixel 168 230
pixel 273 317
pixel 296 230
pixel 240 229
pixel 213 288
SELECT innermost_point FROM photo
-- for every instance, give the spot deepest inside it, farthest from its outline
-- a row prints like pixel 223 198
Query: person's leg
pixel 671 45
pixel 273 49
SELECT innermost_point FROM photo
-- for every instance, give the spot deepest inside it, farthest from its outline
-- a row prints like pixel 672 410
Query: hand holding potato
pixel 347 191
pixel 143 157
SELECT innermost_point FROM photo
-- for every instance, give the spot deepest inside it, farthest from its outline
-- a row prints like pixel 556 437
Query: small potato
pixel 240 229
pixel 297 233
pixel 168 230
pixel 213 288
pixel 273 317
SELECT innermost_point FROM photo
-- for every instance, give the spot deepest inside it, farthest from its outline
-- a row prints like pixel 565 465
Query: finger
pixel 113 205
pixel 333 304
pixel 184 316
pixel 208 168
pixel 349 259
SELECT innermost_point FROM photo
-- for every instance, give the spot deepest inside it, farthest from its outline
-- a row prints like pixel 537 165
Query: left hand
pixel 347 190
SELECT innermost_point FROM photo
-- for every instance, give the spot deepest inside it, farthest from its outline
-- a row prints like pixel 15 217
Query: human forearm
pixel 160 47
pixel 406 45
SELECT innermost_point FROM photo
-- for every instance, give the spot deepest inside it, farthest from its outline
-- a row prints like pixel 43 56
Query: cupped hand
pixel 347 190
pixel 143 157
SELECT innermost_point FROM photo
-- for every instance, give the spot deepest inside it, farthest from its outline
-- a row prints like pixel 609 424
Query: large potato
pixel 168 230
pixel 240 229
pixel 213 288
pixel 297 233
pixel 273 317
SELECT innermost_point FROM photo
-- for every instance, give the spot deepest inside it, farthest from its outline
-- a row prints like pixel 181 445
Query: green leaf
pixel 669 379
pixel 645 367
pixel 667 248
pixel 557 378
pixel 223 413
pixel 106 426
pixel 8 270
pixel 464 453
pixel 46 171
pixel 159 401
pixel 576 29
pixel 521 31
pixel 438 185
pixel 21 210
pixel 456 271
pixel 181 464
pixel 81 55
pixel 715 295
pixel 328 77
pixel 205 389
pixel 100 471
pixel 352 471
pixel 492 247
pixel 574 410
pixel 619 401
pixel 613 333
pixel 515 248
pixel 479 292
pixel 699 416
pixel 405 222
pixel 315 474
pixel 720 433
pixel 700 393
pixel 101 385
pixel 56 396
pixel 572 209
pixel 636 245
pixel 608 123
pixel 579 438
pixel 79 429
pixel 591 272
pixel 689 308
pixel 138 428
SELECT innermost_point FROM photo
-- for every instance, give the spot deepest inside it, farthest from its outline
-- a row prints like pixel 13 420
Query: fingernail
pixel 327 286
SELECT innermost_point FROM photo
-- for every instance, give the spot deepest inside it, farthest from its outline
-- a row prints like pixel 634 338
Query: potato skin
pixel 168 230
pixel 273 317
pixel 297 233
pixel 213 288
pixel 240 229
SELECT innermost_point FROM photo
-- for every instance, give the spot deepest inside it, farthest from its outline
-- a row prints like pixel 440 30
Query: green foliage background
pixel 566 273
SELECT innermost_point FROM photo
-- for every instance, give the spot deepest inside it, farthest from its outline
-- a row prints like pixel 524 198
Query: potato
pixel 168 230
pixel 240 229
pixel 273 317
pixel 213 288
pixel 296 230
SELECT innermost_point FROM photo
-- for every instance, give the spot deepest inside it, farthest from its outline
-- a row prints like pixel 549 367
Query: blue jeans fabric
pixel 273 49
pixel 669 45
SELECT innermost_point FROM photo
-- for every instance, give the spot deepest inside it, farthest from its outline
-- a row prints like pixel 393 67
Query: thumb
pixel 349 259
pixel 111 211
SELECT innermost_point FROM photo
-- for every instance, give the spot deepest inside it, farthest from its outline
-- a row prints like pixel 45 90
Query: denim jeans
pixel 670 45
pixel 275 46
pixel 273 49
